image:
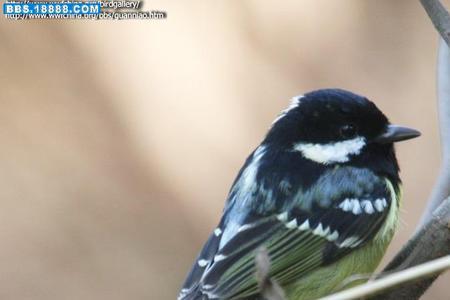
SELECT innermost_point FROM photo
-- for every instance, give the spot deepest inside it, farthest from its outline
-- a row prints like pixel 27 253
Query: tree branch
pixel 441 20
pixel 428 269
pixel 441 189
pixel 268 287
pixel 439 16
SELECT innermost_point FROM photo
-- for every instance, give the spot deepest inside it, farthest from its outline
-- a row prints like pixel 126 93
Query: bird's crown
pixel 330 125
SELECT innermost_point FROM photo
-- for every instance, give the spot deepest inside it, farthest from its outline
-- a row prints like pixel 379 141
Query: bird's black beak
pixel 394 133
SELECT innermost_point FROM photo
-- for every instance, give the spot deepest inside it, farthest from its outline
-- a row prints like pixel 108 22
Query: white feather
pixel 202 262
pixel 304 226
pixel 292 224
pixel 282 217
pixel 350 242
pixel 320 231
pixel 345 205
pixel 217 231
pixel 333 237
pixel 367 207
pixel 356 207
pixel 219 257
pixel 378 205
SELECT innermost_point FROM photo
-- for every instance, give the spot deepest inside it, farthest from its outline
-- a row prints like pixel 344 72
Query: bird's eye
pixel 348 131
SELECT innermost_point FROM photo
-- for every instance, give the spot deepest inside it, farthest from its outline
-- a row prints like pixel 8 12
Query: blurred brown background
pixel 119 140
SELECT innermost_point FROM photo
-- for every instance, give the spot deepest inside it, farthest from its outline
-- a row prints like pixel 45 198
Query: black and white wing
pixel 342 211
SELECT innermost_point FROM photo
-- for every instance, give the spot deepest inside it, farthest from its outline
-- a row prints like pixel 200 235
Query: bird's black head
pixel 334 126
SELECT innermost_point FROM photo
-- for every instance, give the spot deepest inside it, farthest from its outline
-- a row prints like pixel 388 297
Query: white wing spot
pixel 203 263
pixel 345 205
pixel 380 204
pixel 350 242
pixel 248 178
pixel 356 207
pixel 244 227
pixel 182 294
pixel 217 231
pixel 367 206
pixel 219 257
pixel 292 224
pixel 283 217
pixel 304 226
pixel 320 231
pixel 210 295
pixel 333 237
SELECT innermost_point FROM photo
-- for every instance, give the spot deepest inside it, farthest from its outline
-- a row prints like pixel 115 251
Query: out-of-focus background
pixel 119 140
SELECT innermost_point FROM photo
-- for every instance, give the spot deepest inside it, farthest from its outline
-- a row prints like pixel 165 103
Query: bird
pixel 321 194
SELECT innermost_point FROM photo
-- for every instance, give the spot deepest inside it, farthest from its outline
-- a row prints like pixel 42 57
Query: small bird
pixel 321 194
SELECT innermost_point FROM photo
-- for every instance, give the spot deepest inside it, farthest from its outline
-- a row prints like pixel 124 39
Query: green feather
pixel 297 257
pixel 363 261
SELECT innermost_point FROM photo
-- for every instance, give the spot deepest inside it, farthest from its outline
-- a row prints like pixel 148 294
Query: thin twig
pixel 268 287
pixel 425 270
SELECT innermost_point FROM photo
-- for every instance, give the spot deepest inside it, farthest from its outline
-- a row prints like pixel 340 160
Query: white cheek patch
pixel 337 152
pixel 295 101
